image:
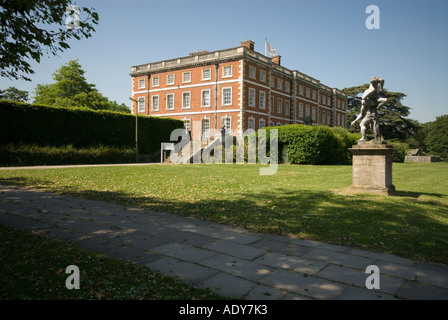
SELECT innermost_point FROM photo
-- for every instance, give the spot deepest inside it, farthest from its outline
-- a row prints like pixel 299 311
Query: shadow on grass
pixel 414 194
pixel 405 225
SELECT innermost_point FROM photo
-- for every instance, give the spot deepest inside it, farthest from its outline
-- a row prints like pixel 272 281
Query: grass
pixel 33 267
pixel 308 202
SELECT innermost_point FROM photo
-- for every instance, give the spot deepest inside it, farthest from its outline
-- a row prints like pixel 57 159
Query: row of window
pixel 281 108
pixel 206 74
pixel 262 77
pixel 280 84
pixel 228 72
pixel 262 102
pixel 326 119
pixel 186 100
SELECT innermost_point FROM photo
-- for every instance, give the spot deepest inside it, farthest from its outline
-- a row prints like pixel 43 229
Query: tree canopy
pixel 393 121
pixel 436 139
pixel 71 89
pixel 29 28
pixel 12 93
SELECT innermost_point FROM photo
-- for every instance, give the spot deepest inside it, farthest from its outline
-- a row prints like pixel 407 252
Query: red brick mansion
pixel 236 88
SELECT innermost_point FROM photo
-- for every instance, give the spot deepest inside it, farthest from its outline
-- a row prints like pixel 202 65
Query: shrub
pixel 307 144
pixel 346 140
pixel 314 144
pixel 31 155
pixel 22 123
pixel 401 150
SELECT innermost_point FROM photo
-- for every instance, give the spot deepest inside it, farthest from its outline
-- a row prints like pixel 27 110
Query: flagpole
pixel 265 46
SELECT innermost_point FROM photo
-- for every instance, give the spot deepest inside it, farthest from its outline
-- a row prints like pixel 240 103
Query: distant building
pixel 235 88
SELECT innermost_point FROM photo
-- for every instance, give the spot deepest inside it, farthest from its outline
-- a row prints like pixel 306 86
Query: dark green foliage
pixel 346 140
pixel 308 145
pixel 71 89
pixel 401 150
pixel 12 93
pixel 22 123
pixel 32 28
pixel 33 155
pixel 315 144
pixel 436 139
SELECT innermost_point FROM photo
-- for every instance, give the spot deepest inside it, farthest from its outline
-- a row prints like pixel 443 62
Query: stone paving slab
pixel 320 245
pixel 420 291
pixel 228 260
pixel 261 292
pixel 340 258
pixel 281 247
pixel 216 233
pixel 184 252
pixel 141 240
pixel 291 263
pixel 354 293
pixel 228 285
pixel 234 249
pixel 357 277
pixel 184 237
pixel 131 254
pixel 187 271
pixel 311 286
pixel 238 267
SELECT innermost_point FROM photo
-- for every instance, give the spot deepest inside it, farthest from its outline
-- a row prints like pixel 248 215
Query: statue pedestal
pixel 372 167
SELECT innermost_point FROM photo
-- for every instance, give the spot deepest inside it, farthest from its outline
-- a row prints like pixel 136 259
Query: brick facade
pixel 236 87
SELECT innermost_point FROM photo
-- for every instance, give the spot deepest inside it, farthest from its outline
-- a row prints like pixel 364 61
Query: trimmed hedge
pixel 346 140
pixel 315 144
pixel 401 150
pixel 31 124
pixel 33 155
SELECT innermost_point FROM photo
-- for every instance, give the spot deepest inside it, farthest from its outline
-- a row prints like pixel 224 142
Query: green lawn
pixel 309 202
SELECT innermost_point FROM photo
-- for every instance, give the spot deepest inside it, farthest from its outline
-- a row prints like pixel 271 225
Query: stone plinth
pixel 372 167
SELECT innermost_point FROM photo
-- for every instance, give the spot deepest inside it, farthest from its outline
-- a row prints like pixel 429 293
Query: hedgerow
pixel 314 144
pixel 33 155
pixel 40 125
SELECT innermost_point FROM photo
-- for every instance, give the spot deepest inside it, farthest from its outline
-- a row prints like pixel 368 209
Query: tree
pixel 436 139
pixel 12 93
pixel 393 121
pixel 71 89
pixel 29 28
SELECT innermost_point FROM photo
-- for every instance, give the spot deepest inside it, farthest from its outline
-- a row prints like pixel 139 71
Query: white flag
pixel 270 50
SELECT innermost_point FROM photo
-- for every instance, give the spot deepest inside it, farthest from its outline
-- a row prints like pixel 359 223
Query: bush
pixel 401 150
pixel 32 155
pixel 309 145
pixel 30 124
pixel 346 140
pixel 315 144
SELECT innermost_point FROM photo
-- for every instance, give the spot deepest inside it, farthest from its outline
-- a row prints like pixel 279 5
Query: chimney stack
pixel 276 59
pixel 249 44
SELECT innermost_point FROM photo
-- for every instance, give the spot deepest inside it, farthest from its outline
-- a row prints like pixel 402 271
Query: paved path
pixel 230 261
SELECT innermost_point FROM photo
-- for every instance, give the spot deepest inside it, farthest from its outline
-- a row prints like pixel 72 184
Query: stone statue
pixel 371 101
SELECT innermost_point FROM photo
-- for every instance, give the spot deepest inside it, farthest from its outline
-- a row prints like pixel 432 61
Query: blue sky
pixel 326 39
